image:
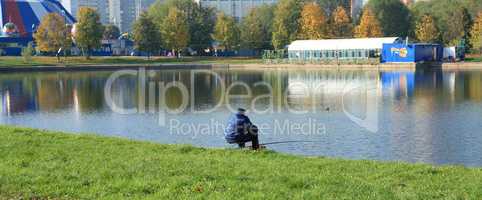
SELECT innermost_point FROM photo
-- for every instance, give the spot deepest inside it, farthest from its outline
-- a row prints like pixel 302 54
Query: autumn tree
pixel 393 15
pixel 340 24
pixel 226 32
pixel 53 34
pixel 200 19
pixel 111 32
pixel 286 22
pixel 312 22
pixel 89 30
pixel 146 35
pixel 369 25
pixel 426 30
pixel 257 27
pixel 476 34
pixel 175 31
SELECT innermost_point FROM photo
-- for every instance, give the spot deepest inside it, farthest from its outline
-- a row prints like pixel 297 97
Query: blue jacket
pixel 238 124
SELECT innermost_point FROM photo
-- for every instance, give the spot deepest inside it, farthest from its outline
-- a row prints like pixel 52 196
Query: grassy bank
pixel 39 165
pixel 52 61
pixel 474 58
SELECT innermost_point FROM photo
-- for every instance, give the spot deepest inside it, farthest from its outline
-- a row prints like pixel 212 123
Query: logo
pixel 401 52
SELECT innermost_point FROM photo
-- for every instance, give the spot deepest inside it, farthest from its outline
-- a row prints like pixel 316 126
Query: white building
pixel 357 48
pixel 100 5
pixel 123 13
pixel 143 5
pixel 236 8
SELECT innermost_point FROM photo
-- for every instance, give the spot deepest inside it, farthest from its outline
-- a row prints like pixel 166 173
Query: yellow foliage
pixel 175 30
pixel 369 26
pixel 52 34
pixel 313 22
pixel 476 34
pixel 341 26
pixel 226 32
pixel 426 31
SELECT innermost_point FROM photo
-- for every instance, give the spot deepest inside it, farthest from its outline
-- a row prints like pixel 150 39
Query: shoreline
pixel 191 66
pixel 42 164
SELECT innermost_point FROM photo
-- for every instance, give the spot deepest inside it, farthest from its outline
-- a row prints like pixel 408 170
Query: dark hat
pixel 241 110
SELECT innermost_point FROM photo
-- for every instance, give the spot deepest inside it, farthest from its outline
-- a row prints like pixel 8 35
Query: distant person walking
pixel 240 130
pixel 58 54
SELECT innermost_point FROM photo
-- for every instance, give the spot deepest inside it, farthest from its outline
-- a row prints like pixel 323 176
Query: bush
pixel 27 53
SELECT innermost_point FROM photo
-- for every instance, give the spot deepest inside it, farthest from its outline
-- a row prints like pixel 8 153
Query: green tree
pixel 340 24
pixel 111 32
pixel 476 34
pixel 146 34
pixel 201 27
pixel 226 32
pixel 89 30
pixel 451 18
pixel 312 22
pixel 426 30
pixel 175 31
pixel 369 25
pixel 52 34
pixel 473 6
pixel 286 22
pixel 459 29
pixel 257 27
pixel 201 20
pixel 393 15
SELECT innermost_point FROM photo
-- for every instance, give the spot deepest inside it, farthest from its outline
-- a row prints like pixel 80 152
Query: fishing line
pixel 291 141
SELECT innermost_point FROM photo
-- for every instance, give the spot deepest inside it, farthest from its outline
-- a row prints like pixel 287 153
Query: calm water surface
pixel 424 116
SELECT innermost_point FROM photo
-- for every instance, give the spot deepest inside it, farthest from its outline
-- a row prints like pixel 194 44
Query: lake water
pixel 426 116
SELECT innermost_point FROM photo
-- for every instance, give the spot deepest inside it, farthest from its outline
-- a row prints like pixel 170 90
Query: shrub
pixel 27 53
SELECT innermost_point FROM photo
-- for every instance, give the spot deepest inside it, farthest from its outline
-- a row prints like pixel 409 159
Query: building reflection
pixel 18 97
pixel 328 90
pixel 84 92
pixel 51 92
pixel 428 105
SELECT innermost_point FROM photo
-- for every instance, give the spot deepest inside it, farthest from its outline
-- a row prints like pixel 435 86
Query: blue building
pixel 12 46
pixel 24 16
pixel 411 53
pixel 19 20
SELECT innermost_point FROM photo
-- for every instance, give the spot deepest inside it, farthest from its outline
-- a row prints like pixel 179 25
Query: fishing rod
pixel 291 141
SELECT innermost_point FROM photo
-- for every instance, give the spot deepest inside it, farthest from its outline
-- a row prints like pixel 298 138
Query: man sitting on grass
pixel 240 130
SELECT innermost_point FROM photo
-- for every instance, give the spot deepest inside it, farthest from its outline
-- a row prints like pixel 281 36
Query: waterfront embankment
pixel 187 66
pixel 36 164
pixel 16 64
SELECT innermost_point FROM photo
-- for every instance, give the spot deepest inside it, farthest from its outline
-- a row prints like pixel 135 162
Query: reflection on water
pixel 423 116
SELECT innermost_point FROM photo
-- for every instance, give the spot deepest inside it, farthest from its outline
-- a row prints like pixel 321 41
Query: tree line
pixel 449 22
pixel 176 25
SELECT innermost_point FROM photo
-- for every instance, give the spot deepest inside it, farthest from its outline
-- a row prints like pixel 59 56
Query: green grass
pixel 474 59
pixel 38 164
pixel 52 61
